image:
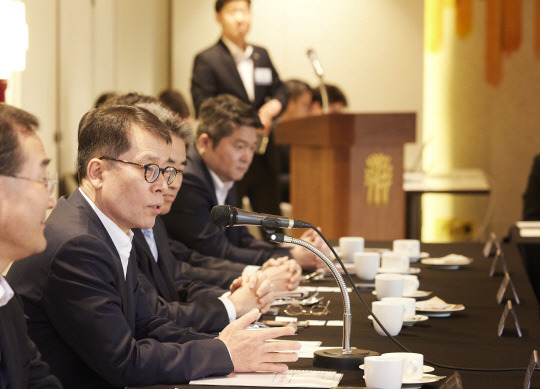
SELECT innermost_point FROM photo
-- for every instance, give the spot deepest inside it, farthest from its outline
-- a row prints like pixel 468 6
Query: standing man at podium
pixel 243 70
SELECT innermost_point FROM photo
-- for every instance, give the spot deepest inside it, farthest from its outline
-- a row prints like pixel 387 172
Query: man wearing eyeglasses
pixel 86 311
pixel 25 196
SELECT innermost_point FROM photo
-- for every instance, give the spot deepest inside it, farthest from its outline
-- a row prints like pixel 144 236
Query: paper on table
pixel 335 289
pixel 291 378
pixel 298 293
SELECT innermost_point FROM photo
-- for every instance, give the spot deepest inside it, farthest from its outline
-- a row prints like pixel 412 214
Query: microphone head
pixel 315 62
pixel 222 215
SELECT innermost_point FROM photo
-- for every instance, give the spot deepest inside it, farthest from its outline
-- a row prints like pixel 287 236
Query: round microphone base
pixel 335 359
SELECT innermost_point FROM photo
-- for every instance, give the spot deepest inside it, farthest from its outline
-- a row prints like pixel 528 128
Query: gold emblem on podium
pixel 378 175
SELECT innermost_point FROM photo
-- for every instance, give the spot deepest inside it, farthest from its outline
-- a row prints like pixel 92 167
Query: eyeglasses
pixel 317 310
pixel 49 181
pixel 151 170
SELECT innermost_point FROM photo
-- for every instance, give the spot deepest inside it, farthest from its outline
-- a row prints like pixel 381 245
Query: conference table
pixel 466 339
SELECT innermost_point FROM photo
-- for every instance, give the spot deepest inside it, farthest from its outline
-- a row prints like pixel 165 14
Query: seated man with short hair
pixel 226 138
pixel 26 193
pixel 85 308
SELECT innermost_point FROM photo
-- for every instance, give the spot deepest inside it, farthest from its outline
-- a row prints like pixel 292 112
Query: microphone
pixel 315 62
pixel 227 216
pixel 320 73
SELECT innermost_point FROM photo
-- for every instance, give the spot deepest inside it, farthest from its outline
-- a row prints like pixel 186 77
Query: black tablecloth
pixel 465 339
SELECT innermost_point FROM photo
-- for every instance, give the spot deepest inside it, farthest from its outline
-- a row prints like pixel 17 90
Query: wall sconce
pixel 13 40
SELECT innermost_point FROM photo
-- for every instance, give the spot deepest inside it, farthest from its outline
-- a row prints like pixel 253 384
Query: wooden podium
pixel 347 172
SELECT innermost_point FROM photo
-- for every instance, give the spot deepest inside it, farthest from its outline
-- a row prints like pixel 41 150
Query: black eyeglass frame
pixel 170 170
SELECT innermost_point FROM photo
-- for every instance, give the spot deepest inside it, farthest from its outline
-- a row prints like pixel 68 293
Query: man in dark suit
pixel 170 293
pixel 25 196
pixel 82 298
pixel 243 70
pixel 225 145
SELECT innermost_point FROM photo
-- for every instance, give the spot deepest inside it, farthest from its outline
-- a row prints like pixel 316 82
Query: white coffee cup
pixel 383 372
pixel 410 284
pixel 389 285
pixel 390 315
pixel 413 365
pixel 366 264
pixel 394 262
pixel 409 247
pixel 408 305
pixel 348 245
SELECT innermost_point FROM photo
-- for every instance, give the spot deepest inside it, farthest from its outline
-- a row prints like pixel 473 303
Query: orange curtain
pixel 464 11
pixel 512 10
pixel 493 41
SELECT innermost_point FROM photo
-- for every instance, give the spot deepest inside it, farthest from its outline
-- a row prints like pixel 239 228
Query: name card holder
pixel 499 257
pixel 453 382
pixel 489 248
pixel 508 308
pixel 533 364
pixel 502 289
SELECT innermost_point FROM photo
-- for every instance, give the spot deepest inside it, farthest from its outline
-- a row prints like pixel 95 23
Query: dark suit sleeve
pixel 24 365
pixel 531 197
pixel 199 267
pixel 189 221
pixel 83 304
pixel 203 81
pixel 203 315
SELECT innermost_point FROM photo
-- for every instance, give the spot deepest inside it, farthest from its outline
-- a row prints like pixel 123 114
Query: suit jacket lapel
pixel 130 303
pixel 79 201
pixel 259 90
pixel 166 261
pixel 157 274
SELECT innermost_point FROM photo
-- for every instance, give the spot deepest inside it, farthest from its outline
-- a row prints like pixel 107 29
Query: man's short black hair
pixel 221 3
pixel 13 121
pixel 175 101
pixel 106 130
pixel 219 116
pixel 295 88
pixel 335 95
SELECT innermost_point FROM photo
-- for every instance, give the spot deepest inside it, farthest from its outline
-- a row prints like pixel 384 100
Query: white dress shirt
pixel 244 65
pixel 6 293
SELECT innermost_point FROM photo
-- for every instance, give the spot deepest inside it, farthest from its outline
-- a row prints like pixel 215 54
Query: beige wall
pixel 81 48
pixel 371 49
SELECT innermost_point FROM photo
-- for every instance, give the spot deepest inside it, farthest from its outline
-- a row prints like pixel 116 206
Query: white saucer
pixel 411 270
pixel 410 384
pixel 409 322
pixel 422 255
pixel 417 294
pixel 425 368
pixel 445 312
pixel 426 379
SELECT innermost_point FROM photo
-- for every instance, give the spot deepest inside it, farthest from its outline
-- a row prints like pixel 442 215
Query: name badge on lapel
pixel 263 76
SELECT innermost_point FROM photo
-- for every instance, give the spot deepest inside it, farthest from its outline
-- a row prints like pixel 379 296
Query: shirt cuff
pixel 229 306
pixel 250 269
